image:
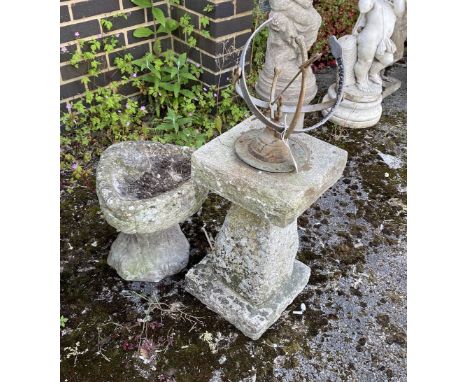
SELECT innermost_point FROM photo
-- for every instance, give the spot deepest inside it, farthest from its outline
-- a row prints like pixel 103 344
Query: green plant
pixel 103 117
pixel 181 107
pixel 258 44
pixel 89 53
pixel 167 76
pixel 205 21
pixel 178 109
pixel 166 24
pixel 63 321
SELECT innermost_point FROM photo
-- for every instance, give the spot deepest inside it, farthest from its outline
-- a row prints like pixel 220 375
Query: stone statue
pixel 374 30
pixel 399 36
pixel 366 52
pixel 293 30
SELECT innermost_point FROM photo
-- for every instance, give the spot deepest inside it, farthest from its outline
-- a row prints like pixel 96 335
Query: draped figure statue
pixel 292 33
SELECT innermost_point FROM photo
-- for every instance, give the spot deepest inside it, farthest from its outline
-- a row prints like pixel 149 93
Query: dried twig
pixel 207 237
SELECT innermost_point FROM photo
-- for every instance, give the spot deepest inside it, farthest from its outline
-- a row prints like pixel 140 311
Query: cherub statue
pixel 375 48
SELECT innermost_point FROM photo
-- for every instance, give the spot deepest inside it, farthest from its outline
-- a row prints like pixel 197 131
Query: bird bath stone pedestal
pixel 251 276
pixel 145 190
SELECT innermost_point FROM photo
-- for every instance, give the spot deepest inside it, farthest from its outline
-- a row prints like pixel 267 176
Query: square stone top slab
pixel 278 198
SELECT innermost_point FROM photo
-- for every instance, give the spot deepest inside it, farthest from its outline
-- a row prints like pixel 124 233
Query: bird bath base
pixel 150 256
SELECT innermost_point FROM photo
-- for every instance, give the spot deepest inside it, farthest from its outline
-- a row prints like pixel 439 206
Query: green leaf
pixel 188 76
pixel 192 41
pixel 158 14
pixel 171 25
pixel 147 78
pixel 157 49
pixel 164 126
pixel 63 321
pixel 143 3
pixel 167 86
pixel 204 21
pixel 176 89
pixel 218 124
pixel 173 72
pixel 143 32
pixel 184 121
pixel 182 59
pixel 187 93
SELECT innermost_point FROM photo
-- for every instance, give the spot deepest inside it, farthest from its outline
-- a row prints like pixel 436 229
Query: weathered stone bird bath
pixel 251 276
pixel 145 190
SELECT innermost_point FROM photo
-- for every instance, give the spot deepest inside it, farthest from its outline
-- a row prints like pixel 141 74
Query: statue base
pixel 358 109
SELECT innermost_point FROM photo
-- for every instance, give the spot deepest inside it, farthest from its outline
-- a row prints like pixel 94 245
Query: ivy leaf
pixel 204 21
pixel 143 32
pixel 142 3
pixel 192 41
pixel 158 14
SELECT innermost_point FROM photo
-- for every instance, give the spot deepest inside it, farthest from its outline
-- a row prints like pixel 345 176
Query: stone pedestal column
pixel 251 276
pixel 253 256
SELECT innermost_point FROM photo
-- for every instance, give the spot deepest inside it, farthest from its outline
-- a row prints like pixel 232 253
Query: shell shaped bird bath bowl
pixel 145 190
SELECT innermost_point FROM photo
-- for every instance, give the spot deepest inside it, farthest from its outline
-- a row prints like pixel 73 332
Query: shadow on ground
pixel 354 326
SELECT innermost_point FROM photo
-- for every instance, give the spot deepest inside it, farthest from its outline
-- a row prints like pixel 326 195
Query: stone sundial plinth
pixel 252 275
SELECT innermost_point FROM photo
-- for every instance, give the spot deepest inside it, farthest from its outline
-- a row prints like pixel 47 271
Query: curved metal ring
pixel 279 127
pixel 243 91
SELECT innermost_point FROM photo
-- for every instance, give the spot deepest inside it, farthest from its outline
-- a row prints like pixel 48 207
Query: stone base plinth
pixel 355 112
pixel 150 256
pixel 252 320
pixel 251 275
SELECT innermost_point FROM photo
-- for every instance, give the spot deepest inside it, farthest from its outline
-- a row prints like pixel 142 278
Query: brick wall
pixel 230 26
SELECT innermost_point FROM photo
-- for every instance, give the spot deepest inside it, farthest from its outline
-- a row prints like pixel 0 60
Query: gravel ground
pixel 354 326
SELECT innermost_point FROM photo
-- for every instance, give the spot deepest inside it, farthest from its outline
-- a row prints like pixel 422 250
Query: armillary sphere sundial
pixel 272 148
